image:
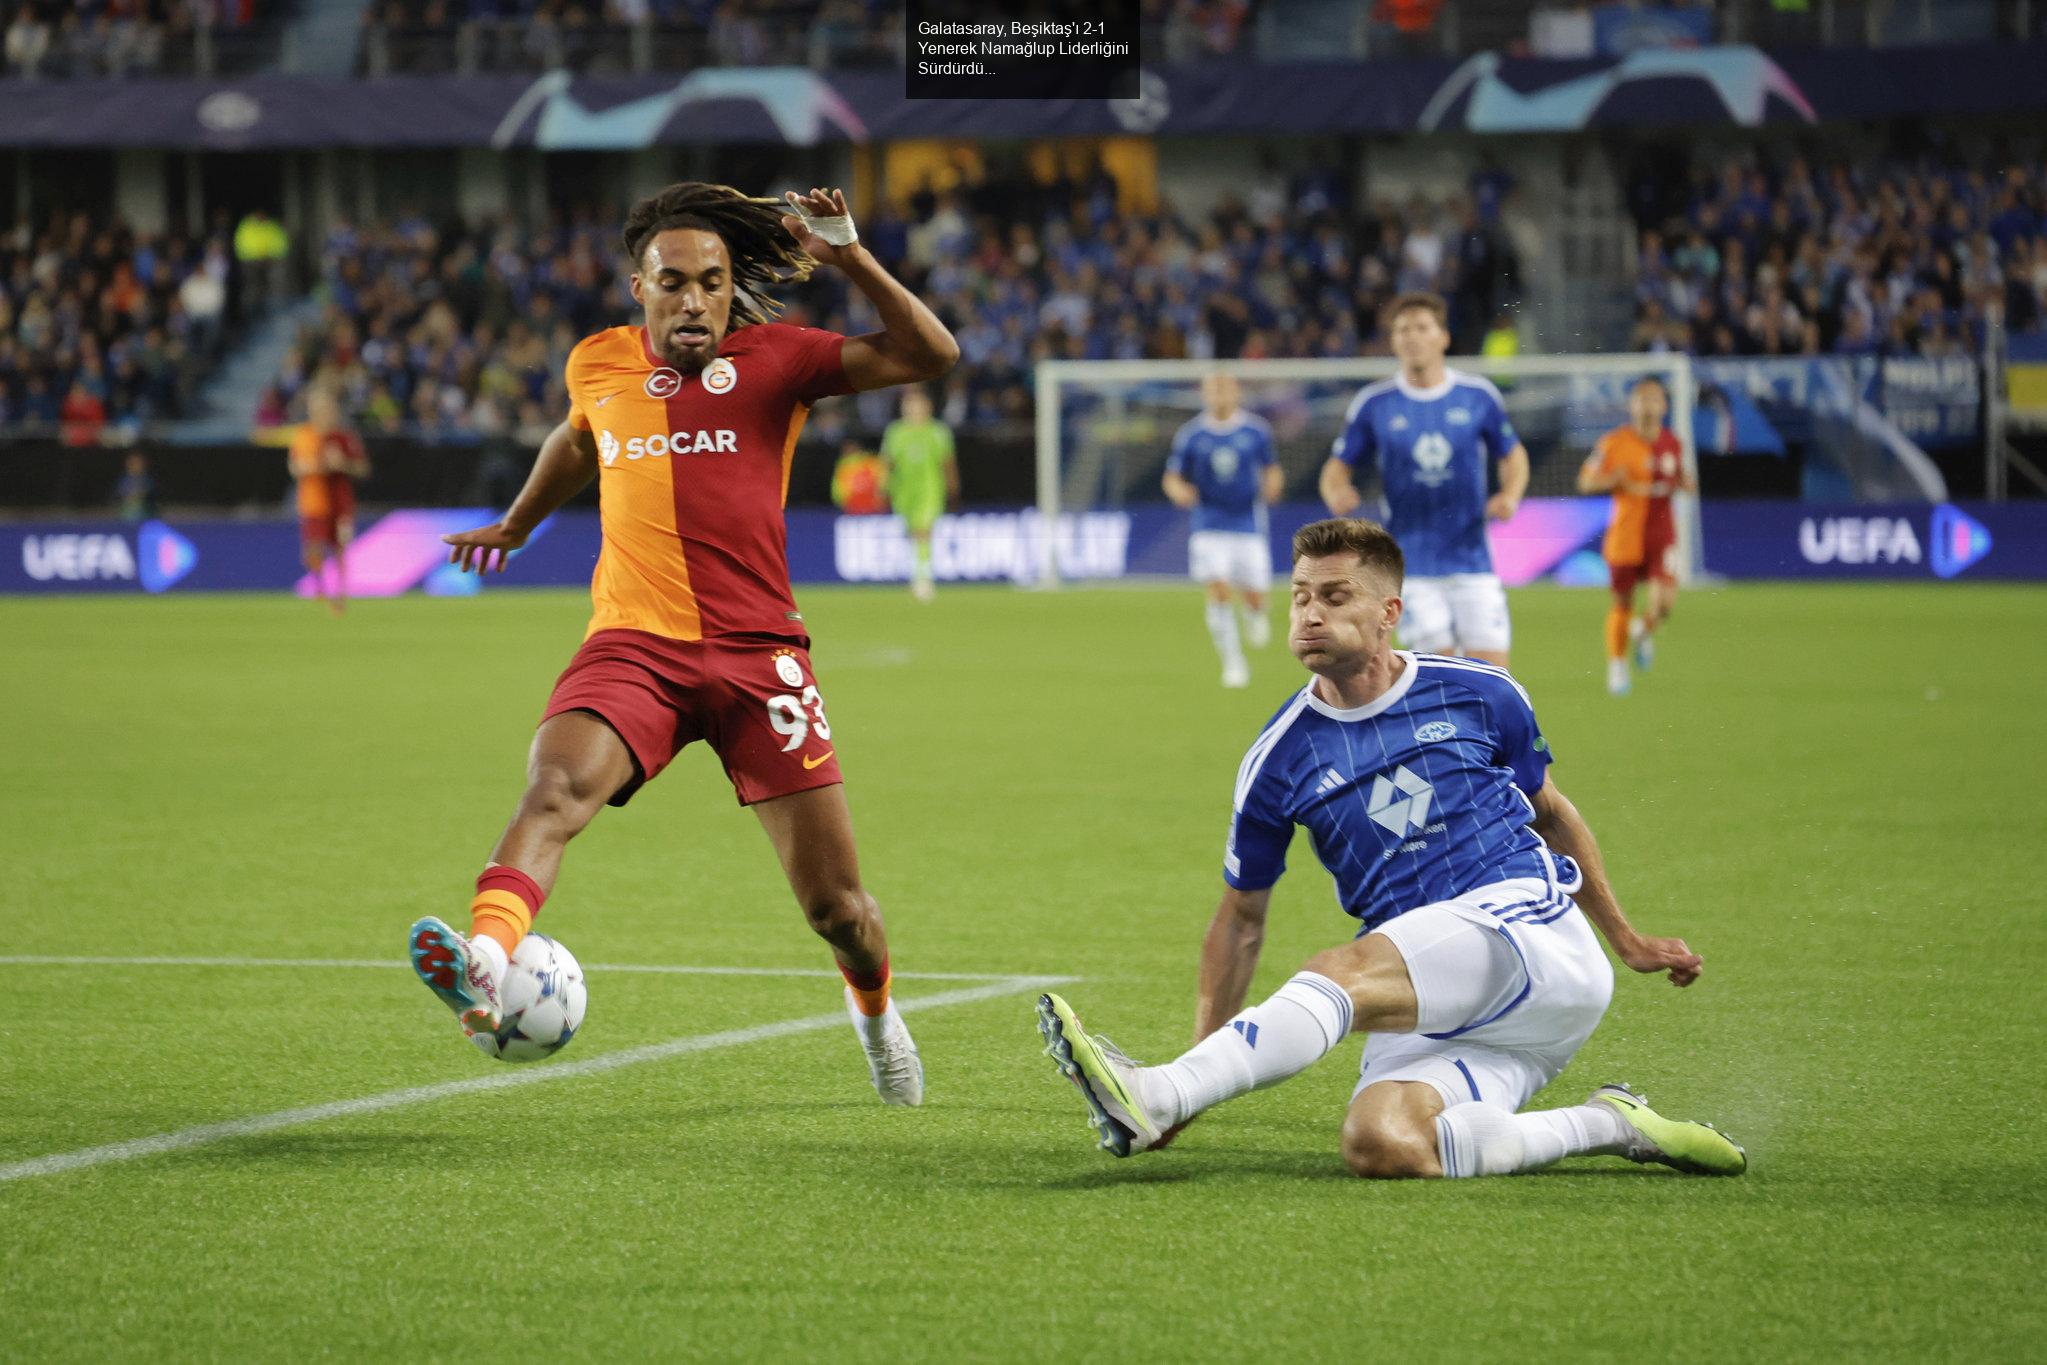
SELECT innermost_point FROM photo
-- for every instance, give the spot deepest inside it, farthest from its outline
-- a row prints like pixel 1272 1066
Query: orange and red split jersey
pixel 1642 528
pixel 324 492
pixel 692 475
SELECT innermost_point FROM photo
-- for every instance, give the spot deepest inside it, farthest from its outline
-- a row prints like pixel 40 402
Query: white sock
pixel 1257 629
pixel 1222 628
pixel 870 1027
pixel 492 952
pixel 1294 1028
pixel 1478 1139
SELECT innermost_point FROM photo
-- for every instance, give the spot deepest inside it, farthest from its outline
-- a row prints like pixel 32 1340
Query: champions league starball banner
pixel 1550 540
pixel 795 106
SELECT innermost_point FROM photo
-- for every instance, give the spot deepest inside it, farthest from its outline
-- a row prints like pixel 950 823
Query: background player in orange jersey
pixel 326 459
pixel 1641 464
pixel 688 422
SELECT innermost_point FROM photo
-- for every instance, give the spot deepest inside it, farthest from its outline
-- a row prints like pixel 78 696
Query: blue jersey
pixel 1419 796
pixel 1224 461
pixel 1431 447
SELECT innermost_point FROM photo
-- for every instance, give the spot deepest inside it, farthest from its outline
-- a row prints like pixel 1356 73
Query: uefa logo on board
pixel 664 383
pixel 720 376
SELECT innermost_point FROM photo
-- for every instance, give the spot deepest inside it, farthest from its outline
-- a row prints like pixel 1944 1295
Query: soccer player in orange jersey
pixel 326 459
pixel 688 422
pixel 1642 465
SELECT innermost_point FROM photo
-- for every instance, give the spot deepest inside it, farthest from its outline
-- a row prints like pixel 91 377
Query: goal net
pixel 1105 429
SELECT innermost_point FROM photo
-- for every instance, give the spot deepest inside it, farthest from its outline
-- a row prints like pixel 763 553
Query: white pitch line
pixel 256 1124
pixel 36 960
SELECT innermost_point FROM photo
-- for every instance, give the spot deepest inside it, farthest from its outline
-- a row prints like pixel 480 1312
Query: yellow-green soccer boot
pixel 1102 1075
pixel 1695 1148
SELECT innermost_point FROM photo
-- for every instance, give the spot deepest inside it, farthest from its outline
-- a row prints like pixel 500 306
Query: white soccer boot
pixel 1236 673
pixel 892 1060
pixel 1618 681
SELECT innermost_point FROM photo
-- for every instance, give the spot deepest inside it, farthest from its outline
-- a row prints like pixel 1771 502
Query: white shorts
pixel 1241 559
pixel 1462 611
pixel 1509 982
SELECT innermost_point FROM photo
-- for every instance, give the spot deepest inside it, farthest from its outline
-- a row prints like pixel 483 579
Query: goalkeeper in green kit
pixel 922 478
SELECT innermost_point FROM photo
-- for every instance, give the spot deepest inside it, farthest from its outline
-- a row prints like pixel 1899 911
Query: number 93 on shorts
pixel 753 699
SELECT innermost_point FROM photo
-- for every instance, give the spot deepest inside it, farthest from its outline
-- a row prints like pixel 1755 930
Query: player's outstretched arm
pixel 1339 493
pixel 565 466
pixel 1564 830
pixel 1596 475
pixel 1271 482
pixel 913 346
pixel 1513 484
pixel 1229 957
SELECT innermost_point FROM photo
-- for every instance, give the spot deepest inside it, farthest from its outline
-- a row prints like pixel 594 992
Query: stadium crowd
pixel 498 35
pixel 1896 258
pixel 461 332
pixel 103 329
pixel 78 38
pixel 583 35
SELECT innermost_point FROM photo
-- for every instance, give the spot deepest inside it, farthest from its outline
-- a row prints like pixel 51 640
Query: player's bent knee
pixel 1378 1150
pixel 840 911
pixel 558 799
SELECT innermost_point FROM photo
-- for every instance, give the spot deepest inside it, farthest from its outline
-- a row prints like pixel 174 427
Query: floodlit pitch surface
pixel 1834 794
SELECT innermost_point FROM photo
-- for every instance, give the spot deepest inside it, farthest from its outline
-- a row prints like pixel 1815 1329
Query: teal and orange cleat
pixel 465 980
pixel 1101 1073
pixel 1695 1148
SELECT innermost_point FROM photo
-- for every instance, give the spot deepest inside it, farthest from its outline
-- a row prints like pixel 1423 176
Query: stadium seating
pixel 54 39
pixel 624 35
pixel 103 330
pixel 450 333
pixel 1893 258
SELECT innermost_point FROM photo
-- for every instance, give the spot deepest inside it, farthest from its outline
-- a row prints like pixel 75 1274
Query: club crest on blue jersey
pixel 1444 765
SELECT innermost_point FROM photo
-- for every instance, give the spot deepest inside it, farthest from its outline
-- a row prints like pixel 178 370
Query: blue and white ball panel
pixel 542 998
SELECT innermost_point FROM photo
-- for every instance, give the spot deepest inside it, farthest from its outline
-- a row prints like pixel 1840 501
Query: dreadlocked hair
pixel 763 255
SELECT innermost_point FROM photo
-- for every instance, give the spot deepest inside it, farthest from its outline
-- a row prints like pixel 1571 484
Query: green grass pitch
pixel 1833 793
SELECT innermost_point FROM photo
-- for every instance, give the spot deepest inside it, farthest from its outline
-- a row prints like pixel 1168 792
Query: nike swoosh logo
pixel 819 760
pixel 602 401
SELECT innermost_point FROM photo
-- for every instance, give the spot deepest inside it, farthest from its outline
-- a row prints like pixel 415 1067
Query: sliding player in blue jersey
pixel 1432 431
pixel 1424 784
pixel 1223 469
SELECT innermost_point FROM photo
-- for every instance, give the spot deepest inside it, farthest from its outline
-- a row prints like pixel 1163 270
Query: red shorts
pixel 337 527
pixel 752 697
pixel 1655 567
pixel 325 530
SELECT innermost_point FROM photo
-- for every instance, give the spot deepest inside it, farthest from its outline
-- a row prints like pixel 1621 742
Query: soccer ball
pixel 543 996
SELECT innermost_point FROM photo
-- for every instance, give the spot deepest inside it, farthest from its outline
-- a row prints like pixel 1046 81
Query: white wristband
pixel 836 228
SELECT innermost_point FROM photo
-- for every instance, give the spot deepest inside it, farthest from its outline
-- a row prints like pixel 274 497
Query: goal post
pixel 1104 427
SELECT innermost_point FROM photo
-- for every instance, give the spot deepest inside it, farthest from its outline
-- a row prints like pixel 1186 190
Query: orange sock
pixel 506 902
pixel 1616 631
pixel 870 989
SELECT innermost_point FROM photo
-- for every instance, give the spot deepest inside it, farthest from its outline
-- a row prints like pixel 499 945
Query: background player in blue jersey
pixel 1423 782
pixel 1223 468
pixel 1431 431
